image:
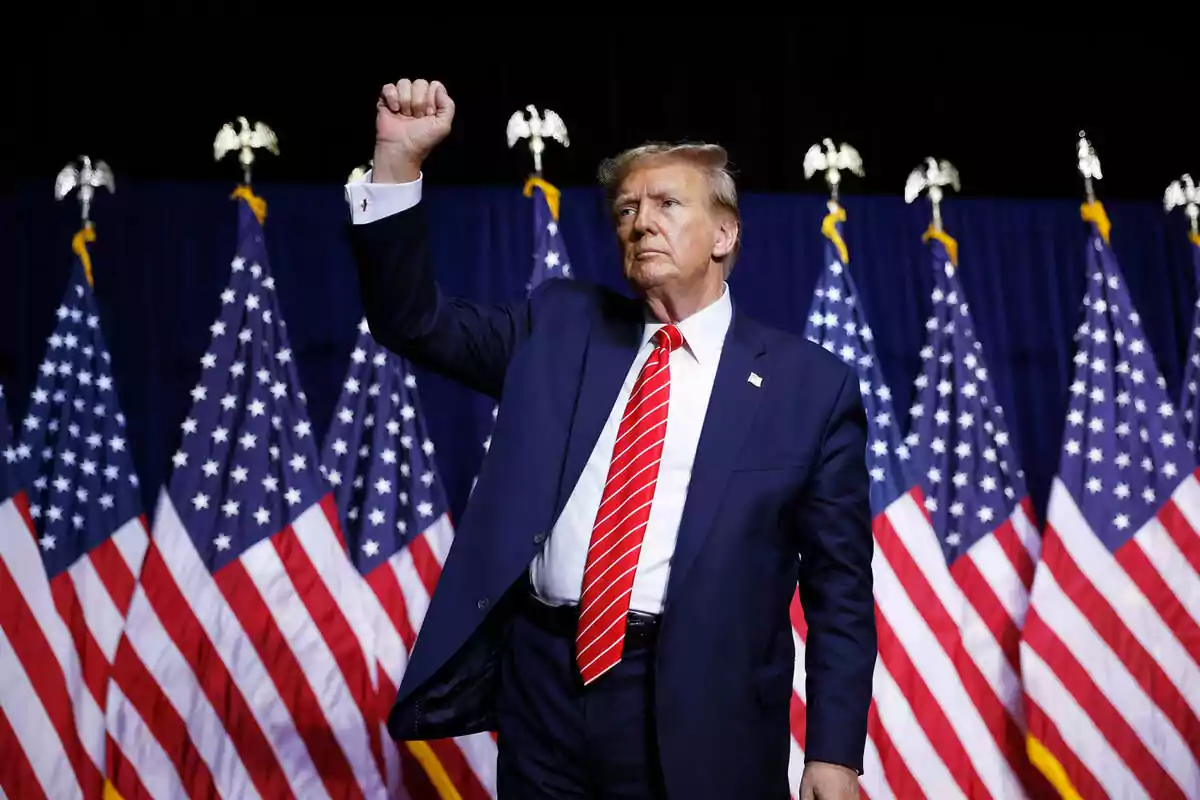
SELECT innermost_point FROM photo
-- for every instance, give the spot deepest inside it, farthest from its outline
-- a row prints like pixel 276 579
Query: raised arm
pixel 468 342
pixel 836 587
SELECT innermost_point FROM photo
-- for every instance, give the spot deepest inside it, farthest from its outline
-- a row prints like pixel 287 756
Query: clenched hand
pixel 411 118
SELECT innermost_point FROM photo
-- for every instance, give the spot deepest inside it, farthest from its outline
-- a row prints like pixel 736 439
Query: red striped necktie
pixel 624 511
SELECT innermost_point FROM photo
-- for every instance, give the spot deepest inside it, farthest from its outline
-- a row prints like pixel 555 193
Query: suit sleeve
pixel 836 588
pixel 408 313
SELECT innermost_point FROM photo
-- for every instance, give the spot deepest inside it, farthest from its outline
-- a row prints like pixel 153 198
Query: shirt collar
pixel 703 332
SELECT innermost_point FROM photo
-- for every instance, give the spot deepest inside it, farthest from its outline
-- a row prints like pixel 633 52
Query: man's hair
pixel 711 158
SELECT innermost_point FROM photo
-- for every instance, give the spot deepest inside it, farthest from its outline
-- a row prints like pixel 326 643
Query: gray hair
pixel 711 158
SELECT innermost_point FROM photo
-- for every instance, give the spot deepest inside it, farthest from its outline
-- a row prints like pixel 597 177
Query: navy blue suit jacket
pixel 778 497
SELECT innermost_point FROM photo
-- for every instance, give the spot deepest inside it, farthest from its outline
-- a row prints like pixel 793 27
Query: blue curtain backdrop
pixel 163 250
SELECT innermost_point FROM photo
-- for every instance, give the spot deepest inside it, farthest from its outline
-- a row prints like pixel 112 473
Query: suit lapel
pixel 612 346
pixel 731 409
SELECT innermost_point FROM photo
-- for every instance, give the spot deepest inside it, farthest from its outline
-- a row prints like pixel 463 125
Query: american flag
pixel 1111 647
pixel 1190 400
pixel 71 545
pixel 380 462
pixel 955 563
pixel 550 259
pixel 247 668
pixel 837 322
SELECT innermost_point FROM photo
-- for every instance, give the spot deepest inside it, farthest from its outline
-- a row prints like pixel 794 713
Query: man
pixel 663 473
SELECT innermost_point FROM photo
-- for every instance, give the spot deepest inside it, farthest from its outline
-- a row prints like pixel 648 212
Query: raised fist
pixel 411 117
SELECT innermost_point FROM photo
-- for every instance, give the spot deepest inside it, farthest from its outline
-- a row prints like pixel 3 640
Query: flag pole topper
pixel 359 174
pixel 538 128
pixel 933 176
pixel 1185 193
pixel 87 178
pixel 832 161
pixel 1089 166
pixel 244 141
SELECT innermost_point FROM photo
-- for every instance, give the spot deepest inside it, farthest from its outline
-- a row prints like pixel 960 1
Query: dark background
pixel 1003 100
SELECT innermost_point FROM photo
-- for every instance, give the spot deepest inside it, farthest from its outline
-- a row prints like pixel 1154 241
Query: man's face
pixel 667 227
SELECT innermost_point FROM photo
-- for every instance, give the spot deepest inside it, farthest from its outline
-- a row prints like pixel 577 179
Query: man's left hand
pixel 825 781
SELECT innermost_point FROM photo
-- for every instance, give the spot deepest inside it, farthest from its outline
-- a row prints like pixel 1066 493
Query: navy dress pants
pixel 559 740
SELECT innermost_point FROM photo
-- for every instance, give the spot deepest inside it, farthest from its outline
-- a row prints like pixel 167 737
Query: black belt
pixel 641 629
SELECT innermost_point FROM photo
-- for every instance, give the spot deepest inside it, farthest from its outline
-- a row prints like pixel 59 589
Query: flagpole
pixel 934 177
pixel 831 162
pixel 87 178
pixel 538 128
pixel 1184 193
pixel 244 141
pixel 1089 167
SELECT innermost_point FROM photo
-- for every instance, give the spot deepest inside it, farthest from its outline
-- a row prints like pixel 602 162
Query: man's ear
pixel 728 231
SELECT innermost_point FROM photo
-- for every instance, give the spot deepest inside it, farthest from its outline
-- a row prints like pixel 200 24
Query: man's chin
pixel 647 276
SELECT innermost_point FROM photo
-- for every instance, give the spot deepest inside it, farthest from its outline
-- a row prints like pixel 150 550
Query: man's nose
pixel 644 222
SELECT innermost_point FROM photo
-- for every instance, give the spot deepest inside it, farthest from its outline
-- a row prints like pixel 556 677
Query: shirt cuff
pixel 373 201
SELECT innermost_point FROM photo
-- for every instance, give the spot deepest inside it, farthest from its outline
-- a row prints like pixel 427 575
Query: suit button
pixel 539 538
pixel 482 604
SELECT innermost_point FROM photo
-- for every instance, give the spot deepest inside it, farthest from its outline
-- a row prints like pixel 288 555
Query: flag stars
pixel 371 481
pixel 953 387
pixel 1118 391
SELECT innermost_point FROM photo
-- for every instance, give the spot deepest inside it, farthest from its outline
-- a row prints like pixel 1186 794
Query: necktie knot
pixel 669 337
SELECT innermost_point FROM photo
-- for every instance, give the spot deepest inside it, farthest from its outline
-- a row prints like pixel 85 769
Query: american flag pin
pixel 754 379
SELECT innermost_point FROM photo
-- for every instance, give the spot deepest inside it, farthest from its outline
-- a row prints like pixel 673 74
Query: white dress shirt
pixel 557 571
